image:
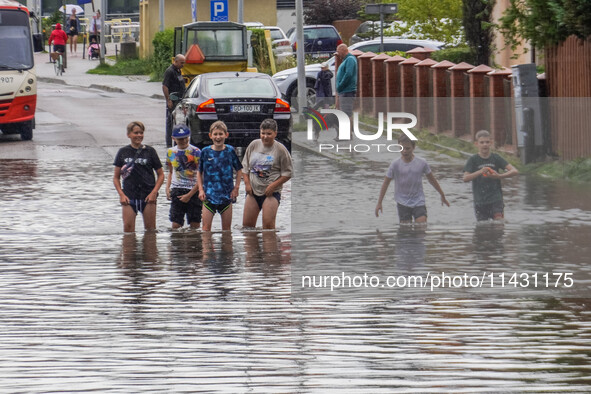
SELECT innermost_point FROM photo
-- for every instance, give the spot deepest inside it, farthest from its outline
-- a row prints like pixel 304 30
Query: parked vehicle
pixel 287 82
pixel 242 100
pixel 280 43
pixel 320 41
pixel 18 81
pixel 211 46
pixel 368 30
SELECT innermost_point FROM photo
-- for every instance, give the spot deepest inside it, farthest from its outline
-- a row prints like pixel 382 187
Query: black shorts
pixel 179 209
pixel 261 199
pixel 406 214
pixel 213 208
pixel 59 48
pixel 489 211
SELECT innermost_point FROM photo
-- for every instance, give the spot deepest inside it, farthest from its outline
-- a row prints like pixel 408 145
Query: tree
pixel 325 12
pixel 545 22
pixel 427 19
pixel 476 19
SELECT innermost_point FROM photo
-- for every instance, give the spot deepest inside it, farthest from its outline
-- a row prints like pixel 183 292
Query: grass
pixel 123 67
pixel 578 170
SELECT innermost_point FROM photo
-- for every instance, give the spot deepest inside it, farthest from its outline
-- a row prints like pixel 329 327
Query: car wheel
pixel 310 95
pixel 26 130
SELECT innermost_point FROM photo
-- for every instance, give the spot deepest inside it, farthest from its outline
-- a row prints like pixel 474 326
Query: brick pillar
pixel 393 82
pixel 421 53
pixel 460 104
pixel 379 84
pixel 479 108
pixel 365 81
pixel 423 90
pixel 441 101
pixel 407 85
pixel 500 113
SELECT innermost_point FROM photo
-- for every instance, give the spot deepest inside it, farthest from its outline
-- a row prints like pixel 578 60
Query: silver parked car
pixel 280 43
pixel 287 82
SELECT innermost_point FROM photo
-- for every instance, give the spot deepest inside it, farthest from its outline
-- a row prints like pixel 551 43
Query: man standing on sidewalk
pixel 346 83
pixel 173 82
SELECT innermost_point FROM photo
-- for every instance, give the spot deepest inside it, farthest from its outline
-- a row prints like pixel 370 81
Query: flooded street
pixel 85 307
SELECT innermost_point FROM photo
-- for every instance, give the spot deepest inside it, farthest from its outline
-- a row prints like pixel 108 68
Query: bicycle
pixel 58 63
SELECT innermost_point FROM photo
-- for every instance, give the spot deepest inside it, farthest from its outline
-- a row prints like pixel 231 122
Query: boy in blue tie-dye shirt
pixel 216 177
pixel 181 187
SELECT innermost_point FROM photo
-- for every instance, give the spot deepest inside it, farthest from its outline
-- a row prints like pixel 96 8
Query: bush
pixel 456 55
pixel 163 53
pixel 260 52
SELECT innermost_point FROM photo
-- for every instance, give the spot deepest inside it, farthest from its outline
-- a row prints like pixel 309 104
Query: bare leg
pixel 251 212
pixel 421 219
pixel 128 219
pixel 270 207
pixel 227 219
pixel 150 216
pixel 207 219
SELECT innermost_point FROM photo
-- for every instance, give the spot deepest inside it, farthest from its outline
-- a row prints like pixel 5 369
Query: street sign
pixel 219 10
pixel 389 8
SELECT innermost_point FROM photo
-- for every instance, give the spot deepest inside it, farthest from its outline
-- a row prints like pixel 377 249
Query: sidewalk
pixel 76 75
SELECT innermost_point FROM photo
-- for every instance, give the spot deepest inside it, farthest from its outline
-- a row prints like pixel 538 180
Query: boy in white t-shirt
pixel 407 172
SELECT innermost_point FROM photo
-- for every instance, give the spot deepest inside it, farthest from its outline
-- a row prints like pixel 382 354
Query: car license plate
pixel 245 108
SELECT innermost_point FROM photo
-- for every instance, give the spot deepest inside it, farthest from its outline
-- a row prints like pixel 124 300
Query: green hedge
pixel 456 55
pixel 163 53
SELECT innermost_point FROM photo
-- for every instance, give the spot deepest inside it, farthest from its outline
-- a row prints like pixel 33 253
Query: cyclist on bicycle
pixel 59 39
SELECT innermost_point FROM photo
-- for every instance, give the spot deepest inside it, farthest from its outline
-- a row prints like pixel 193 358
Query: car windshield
pixel 240 87
pixel 319 32
pixel 217 43
pixel 15 40
pixel 276 34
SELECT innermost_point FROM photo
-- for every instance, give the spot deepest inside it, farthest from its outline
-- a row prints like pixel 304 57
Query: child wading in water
pixel 216 177
pixel 483 170
pixel 181 187
pixel 407 172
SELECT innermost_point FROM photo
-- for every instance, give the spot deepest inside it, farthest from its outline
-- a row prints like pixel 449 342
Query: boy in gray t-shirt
pixel 407 172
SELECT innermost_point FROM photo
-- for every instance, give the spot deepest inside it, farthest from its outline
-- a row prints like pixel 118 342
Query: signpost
pixel 383 8
pixel 219 10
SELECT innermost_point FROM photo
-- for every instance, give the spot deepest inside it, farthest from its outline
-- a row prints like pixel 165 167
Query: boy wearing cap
pixel 181 187
pixel 216 177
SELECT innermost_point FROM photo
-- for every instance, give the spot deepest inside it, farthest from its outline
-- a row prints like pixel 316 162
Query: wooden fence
pixel 460 99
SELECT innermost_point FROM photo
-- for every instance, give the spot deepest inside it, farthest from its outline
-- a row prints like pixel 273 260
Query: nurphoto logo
pixel 394 121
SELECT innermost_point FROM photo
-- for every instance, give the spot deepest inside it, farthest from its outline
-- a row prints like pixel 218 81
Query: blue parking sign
pixel 219 10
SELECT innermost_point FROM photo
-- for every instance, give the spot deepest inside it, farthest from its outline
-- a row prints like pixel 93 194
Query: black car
pixel 320 41
pixel 241 99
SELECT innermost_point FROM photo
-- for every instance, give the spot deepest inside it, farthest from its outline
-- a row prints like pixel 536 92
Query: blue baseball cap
pixel 181 131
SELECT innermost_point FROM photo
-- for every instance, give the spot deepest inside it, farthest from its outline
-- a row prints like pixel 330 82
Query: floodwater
pixel 85 307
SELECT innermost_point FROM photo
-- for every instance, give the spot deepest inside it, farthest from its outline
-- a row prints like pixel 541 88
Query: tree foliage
pixel 325 12
pixel 427 19
pixel 477 21
pixel 545 22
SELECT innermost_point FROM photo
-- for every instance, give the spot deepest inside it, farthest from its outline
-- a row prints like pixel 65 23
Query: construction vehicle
pixel 212 46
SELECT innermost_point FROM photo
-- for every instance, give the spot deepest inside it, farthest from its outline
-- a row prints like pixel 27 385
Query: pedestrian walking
pixel 173 82
pixel 407 172
pixel 73 28
pixel 346 82
pixel 483 170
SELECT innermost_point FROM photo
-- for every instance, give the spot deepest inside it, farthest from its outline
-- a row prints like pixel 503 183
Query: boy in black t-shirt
pixel 135 164
pixel 483 170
